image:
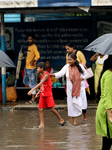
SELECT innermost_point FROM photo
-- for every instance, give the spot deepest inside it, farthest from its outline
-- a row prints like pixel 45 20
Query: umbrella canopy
pixel 5 60
pixel 102 45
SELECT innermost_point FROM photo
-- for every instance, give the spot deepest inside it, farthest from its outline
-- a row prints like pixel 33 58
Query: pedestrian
pixel 50 70
pixel 70 50
pixel 47 62
pixel 103 113
pixel 82 60
pixel 76 96
pixel 80 57
pixel 99 61
pixel 46 96
pixel 30 68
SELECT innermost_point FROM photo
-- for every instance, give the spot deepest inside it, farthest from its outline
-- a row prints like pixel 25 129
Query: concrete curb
pixel 35 107
pixel 5 108
pixel 23 106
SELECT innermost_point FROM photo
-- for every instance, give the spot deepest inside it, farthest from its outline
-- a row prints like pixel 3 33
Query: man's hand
pixel 97 54
pixel 32 62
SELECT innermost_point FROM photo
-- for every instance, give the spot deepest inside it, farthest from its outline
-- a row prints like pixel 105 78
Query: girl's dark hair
pixel 41 65
pixel 73 56
pixel 46 60
pixel 107 65
pixel 70 45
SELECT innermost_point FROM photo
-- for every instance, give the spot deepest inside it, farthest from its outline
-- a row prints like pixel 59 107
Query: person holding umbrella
pixel 99 58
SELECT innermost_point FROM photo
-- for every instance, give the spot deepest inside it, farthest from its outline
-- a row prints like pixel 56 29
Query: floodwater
pixel 18 132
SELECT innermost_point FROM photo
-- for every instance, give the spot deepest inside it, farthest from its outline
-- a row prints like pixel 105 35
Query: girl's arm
pixel 108 94
pixel 45 78
pixel 61 72
pixel 94 57
pixel 52 74
pixel 109 115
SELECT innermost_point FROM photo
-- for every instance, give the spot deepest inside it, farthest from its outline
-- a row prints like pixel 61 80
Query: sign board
pixel 104 27
pixel 60 3
pixel 52 3
pixel 51 38
pixel 101 2
pixel 18 3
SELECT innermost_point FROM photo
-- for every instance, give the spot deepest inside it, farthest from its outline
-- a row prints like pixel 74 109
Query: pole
pixel 3 68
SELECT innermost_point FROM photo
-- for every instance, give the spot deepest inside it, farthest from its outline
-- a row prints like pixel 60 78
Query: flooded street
pixel 17 132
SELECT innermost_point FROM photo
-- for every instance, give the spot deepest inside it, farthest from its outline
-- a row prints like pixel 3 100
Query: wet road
pixel 17 132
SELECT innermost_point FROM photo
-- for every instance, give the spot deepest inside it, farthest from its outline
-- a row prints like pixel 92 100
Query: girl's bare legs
pixel 74 121
pixel 57 114
pixel 85 116
pixel 41 118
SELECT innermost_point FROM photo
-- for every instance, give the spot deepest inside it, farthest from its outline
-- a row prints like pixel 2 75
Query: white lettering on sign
pixel 51 41
pixel 18 3
pixel 101 2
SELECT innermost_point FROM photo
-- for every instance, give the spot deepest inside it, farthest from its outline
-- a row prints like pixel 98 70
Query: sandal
pixel 30 102
pixel 62 124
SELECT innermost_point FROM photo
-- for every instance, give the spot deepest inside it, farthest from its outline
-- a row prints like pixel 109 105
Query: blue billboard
pixel 61 3
pixel 50 38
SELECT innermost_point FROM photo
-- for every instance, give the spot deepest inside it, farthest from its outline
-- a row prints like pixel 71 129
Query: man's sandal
pixel 30 102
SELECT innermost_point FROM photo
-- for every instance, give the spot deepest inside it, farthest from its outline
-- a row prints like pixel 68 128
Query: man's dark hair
pixel 41 65
pixel 32 35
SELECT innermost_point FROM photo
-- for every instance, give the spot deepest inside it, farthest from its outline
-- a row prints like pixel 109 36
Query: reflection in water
pixel 17 130
pixel 76 139
pixel 46 143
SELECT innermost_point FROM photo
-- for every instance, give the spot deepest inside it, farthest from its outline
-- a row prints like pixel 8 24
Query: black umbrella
pixel 5 60
pixel 102 45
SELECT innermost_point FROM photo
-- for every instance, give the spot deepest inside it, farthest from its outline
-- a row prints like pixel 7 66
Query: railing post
pixel 3 68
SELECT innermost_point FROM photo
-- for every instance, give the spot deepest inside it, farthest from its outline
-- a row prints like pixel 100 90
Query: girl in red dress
pixel 46 96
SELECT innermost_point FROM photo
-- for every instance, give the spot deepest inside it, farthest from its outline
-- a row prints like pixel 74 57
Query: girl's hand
pixel 30 92
pixel 52 74
pixel 110 119
pixel 38 94
pixel 82 79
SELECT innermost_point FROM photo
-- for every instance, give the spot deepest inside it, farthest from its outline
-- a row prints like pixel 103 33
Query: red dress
pixel 49 69
pixel 46 97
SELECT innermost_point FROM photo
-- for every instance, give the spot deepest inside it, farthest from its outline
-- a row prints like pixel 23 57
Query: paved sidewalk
pixel 20 105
